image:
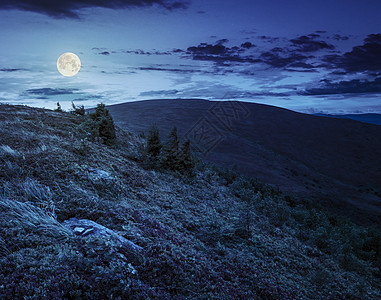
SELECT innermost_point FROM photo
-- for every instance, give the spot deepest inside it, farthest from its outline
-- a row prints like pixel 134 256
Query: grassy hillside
pixel 213 235
pixel 335 161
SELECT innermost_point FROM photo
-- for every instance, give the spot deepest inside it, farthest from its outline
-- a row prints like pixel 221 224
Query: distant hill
pixel 366 118
pixel 333 160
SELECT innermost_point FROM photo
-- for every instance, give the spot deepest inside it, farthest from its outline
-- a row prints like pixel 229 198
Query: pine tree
pixel 169 153
pixel 185 161
pixel 153 142
pixel 103 124
pixel 59 108
pixel 78 110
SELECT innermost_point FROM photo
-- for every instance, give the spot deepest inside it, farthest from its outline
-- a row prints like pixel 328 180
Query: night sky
pixel 309 56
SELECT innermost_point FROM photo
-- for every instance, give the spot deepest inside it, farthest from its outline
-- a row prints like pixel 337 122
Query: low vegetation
pixel 207 232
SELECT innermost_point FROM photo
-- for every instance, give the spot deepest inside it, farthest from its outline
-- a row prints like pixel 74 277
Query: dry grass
pixel 26 215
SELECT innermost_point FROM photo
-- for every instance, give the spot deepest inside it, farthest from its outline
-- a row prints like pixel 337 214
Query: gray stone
pixel 99 174
pixel 85 228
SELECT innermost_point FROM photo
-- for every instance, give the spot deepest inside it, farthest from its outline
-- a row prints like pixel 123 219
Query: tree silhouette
pixel 169 153
pixel 153 142
pixel 185 161
pixel 103 124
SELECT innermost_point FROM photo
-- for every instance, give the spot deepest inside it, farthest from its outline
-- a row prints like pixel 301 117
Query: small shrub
pixel 82 147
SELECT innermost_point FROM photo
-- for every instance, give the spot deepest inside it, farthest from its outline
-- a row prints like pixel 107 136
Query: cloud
pixel 219 53
pixel 275 59
pixel 70 8
pixel 51 92
pixel 309 44
pixel 153 52
pixel 269 39
pixel 364 58
pixel 249 94
pixel 175 70
pixel 87 98
pixel 10 70
pixel 354 86
pixel 159 93
pixel 247 45
pixel 339 37
pixel 208 49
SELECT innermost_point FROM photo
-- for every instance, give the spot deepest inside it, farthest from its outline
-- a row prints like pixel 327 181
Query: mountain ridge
pixel 300 153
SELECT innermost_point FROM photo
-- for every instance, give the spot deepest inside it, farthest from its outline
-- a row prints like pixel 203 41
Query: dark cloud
pixel 366 57
pixel 309 44
pixel 175 70
pixel 87 98
pixel 247 45
pixel 153 52
pixel 70 8
pixel 219 53
pixel 51 92
pixel 268 38
pixel 249 94
pixel 274 59
pixel 105 51
pixel 222 41
pixel 354 86
pixel 314 35
pixel 159 93
pixel 208 49
pixel 10 70
pixel 339 37
pixel 301 67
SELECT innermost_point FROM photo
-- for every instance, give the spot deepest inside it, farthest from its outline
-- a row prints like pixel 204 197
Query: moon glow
pixel 68 64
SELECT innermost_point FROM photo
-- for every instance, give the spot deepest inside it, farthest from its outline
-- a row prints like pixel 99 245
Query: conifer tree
pixel 59 108
pixel 153 142
pixel 169 153
pixel 103 124
pixel 78 110
pixel 185 162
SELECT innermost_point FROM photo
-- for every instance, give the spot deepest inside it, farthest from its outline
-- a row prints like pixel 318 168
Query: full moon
pixel 68 64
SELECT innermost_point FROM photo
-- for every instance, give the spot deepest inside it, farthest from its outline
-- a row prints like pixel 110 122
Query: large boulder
pixel 85 228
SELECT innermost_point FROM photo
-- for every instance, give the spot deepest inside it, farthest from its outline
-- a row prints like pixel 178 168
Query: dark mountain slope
pixel 335 160
pixel 214 235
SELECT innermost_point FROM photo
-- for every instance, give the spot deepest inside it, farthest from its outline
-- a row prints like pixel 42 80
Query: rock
pixel 78 230
pixel 99 174
pixel 85 228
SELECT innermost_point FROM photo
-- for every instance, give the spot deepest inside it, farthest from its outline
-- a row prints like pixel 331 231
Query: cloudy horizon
pixel 309 57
